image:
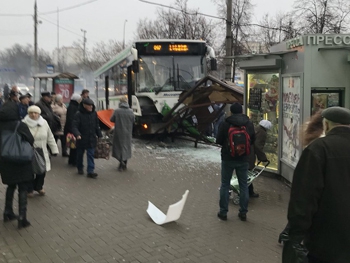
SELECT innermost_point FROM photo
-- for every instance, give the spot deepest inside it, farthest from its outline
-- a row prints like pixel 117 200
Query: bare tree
pixel 323 16
pixel 183 24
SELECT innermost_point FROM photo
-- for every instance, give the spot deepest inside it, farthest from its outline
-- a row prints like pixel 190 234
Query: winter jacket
pixel 72 109
pixel 124 118
pixel 60 111
pixel 222 137
pixel 318 212
pixel 86 125
pixel 42 137
pixel 13 172
pixel 257 149
pixel 23 110
pixel 47 114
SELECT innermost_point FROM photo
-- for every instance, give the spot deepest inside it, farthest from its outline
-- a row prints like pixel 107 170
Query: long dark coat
pixel 72 109
pixel 124 120
pixel 318 211
pixel 86 125
pixel 257 149
pixel 47 113
pixel 12 172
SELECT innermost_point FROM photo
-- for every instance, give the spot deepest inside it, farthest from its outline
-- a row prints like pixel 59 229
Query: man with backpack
pixel 236 134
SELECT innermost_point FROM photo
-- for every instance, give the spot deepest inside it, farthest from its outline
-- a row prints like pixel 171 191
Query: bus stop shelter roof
pixel 64 75
pixel 114 61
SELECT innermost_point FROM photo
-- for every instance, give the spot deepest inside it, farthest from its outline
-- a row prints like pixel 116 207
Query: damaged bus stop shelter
pixel 199 107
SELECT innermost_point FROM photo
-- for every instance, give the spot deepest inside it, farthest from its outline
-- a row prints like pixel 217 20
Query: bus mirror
pixel 135 66
pixel 213 64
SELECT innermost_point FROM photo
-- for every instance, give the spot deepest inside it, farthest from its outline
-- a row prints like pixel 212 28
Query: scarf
pixel 33 123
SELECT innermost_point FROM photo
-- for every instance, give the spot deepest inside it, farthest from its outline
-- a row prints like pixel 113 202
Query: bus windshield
pixel 169 73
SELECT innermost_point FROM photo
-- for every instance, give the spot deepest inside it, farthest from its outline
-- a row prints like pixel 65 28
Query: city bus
pixel 153 74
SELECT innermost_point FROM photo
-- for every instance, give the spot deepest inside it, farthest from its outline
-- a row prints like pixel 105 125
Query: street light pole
pixel 36 64
pixel 124 33
pixel 84 39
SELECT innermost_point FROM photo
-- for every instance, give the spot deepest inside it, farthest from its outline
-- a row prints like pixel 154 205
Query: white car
pixel 22 88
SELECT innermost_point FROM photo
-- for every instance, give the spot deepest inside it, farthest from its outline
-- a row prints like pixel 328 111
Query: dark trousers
pixel 22 198
pixel 72 157
pixel 62 138
pixel 37 184
pixel 315 260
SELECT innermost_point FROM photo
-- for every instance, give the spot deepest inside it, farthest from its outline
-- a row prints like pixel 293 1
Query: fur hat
pixel 45 94
pixel 236 108
pixel 34 108
pixel 75 97
pixel 266 124
pixel 337 115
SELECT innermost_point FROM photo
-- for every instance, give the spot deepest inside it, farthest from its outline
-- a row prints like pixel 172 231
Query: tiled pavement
pixel 105 220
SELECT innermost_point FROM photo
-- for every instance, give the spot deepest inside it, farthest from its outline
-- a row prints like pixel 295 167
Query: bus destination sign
pixel 170 48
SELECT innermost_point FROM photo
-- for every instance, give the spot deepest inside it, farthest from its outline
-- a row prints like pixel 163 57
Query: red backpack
pixel 238 141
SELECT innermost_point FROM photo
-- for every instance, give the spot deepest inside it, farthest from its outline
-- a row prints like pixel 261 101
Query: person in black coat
pixel 14 174
pixel 86 129
pixel 72 109
pixel 229 164
pixel 47 113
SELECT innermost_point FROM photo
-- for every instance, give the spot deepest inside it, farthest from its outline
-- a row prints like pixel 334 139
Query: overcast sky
pixel 102 19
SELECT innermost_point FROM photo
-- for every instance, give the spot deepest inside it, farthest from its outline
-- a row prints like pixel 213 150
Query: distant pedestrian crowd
pixel 42 124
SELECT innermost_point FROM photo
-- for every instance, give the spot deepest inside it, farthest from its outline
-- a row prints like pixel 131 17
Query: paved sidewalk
pixel 105 220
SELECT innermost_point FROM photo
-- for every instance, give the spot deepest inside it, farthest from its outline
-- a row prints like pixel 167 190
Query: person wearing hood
pixel 229 163
pixel 86 129
pixel 124 118
pixel 43 136
pixel 13 174
pixel 47 113
pixel 72 109
pixel 257 150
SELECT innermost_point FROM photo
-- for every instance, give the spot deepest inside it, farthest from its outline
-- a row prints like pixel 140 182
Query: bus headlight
pixel 145 126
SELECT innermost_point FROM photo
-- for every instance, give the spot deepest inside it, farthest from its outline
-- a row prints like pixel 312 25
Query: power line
pixel 51 12
pixel 68 8
pixel 59 26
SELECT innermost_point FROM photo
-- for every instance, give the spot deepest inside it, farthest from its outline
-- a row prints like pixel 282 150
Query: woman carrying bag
pixel 15 174
pixel 43 136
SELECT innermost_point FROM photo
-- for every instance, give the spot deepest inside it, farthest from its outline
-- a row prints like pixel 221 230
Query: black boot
pixel 284 236
pixel 22 207
pixel 124 165
pixel 8 212
pixel 120 168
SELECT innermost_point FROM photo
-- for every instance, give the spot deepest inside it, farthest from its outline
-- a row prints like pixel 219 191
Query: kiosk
pixel 286 86
pixel 60 83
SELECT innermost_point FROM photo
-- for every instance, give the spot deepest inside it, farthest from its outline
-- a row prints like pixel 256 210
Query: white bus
pixel 152 73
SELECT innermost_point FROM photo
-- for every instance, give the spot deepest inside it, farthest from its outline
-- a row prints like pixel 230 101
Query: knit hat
pixel 266 124
pixel 337 115
pixel 75 97
pixel 123 99
pixel 88 102
pixel 236 108
pixel 34 109
pixel 58 97
pixel 45 93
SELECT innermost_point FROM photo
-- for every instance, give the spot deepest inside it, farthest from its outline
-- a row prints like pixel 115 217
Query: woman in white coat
pixel 43 136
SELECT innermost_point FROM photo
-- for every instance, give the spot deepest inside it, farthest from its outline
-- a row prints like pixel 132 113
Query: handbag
pixel 14 148
pixel 102 150
pixel 38 163
pixel 71 141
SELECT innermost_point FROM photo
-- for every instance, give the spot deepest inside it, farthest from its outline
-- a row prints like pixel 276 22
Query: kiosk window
pixel 263 103
pixel 324 99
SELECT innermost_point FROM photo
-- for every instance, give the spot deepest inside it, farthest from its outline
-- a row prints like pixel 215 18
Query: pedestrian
pixel 229 163
pixel 257 150
pixel 85 94
pixel 13 174
pixel 30 96
pixel 60 109
pixel 6 92
pixel 86 129
pixel 43 137
pixel 72 109
pixel 124 118
pixel 23 105
pixel 14 94
pixel 317 214
pixel 219 119
pixel 47 113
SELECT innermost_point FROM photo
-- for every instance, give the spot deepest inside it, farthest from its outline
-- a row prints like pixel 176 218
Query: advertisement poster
pixel 65 87
pixel 291 120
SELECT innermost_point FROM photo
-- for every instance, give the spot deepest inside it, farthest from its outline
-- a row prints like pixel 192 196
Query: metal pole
pixel 124 33
pixel 58 41
pixel 228 62
pixel 36 64
pixel 84 41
